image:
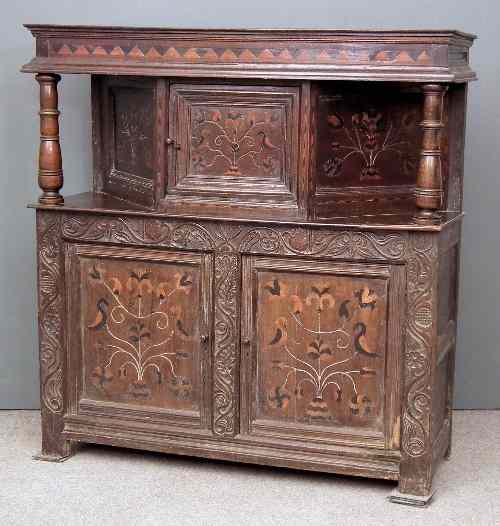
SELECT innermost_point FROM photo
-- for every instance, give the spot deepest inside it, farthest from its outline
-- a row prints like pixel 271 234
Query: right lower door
pixel 321 348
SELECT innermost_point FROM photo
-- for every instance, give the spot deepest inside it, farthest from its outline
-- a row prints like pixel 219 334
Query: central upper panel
pixel 236 142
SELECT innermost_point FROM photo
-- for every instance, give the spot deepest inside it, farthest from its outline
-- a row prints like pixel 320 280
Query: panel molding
pixel 133 404
pixel 318 431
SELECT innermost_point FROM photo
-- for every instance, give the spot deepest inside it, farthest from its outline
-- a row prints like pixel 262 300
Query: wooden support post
pixel 428 190
pixel 50 174
pixel 416 466
pixel 52 324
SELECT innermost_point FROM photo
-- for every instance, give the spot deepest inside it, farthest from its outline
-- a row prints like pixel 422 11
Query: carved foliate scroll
pixel 50 310
pixel 227 286
pixel 244 238
pixel 420 331
pixel 51 323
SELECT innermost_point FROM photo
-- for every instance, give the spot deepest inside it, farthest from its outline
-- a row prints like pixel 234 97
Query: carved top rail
pixel 419 56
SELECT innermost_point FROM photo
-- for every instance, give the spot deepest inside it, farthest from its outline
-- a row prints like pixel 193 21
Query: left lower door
pixel 139 337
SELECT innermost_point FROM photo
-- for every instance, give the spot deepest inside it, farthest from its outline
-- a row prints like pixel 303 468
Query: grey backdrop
pixel 478 361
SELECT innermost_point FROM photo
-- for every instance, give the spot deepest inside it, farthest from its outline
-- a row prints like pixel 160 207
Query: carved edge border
pixel 420 330
pixel 51 316
pixel 226 330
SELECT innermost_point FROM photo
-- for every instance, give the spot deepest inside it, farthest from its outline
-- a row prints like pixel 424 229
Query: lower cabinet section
pixel 141 351
pixel 312 348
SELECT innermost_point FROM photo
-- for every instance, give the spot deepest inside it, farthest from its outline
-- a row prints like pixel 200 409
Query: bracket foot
pixel 419 501
pixel 50 458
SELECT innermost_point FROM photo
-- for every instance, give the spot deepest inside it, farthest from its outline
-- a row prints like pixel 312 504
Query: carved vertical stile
pixel 421 333
pixel 160 132
pixel 456 140
pixel 51 323
pixel 305 147
pixel 97 136
pixel 225 360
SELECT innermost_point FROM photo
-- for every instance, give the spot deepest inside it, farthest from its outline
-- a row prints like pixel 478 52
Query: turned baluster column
pixel 428 190
pixel 50 174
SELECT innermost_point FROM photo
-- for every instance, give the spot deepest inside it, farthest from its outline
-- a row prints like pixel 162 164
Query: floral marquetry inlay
pixel 133 134
pixel 237 141
pixel 141 334
pixel 321 348
pixel 368 139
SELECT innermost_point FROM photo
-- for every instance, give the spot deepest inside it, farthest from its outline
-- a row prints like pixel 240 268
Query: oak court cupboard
pixel 266 268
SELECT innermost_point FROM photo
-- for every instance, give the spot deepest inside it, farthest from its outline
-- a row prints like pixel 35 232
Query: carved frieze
pixel 242 238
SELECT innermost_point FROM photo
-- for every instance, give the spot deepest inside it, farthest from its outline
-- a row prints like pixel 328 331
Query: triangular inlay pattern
pixel 331 54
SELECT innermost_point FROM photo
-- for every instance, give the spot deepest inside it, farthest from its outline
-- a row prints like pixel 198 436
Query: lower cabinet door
pixel 139 337
pixel 320 360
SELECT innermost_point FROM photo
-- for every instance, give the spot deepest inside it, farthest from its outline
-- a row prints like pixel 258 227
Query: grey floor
pixel 104 486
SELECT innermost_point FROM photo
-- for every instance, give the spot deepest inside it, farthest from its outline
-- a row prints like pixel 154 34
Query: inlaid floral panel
pixel 237 141
pixel 133 131
pixel 140 332
pixel 367 138
pixel 320 344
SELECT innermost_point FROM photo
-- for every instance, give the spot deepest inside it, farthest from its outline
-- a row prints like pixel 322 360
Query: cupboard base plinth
pixel 236 451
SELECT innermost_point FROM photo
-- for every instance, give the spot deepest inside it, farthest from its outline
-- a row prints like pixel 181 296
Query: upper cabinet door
pixel 321 344
pixel 125 135
pixel 233 144
pixel 140 351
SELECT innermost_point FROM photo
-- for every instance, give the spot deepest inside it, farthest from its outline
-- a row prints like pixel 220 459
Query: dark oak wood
pixel 428 190
pixel 266 268
pixel 417 56
pixel 236 143
pixel 50 174
pixel 367 143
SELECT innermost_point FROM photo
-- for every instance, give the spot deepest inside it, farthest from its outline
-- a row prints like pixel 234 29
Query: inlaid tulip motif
pixel 242 141
pixel 369 135
pixel 137 317
pixel 312 358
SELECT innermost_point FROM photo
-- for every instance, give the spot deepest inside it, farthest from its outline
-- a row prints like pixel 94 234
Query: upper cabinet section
pixel 420 56
pixel 284 125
